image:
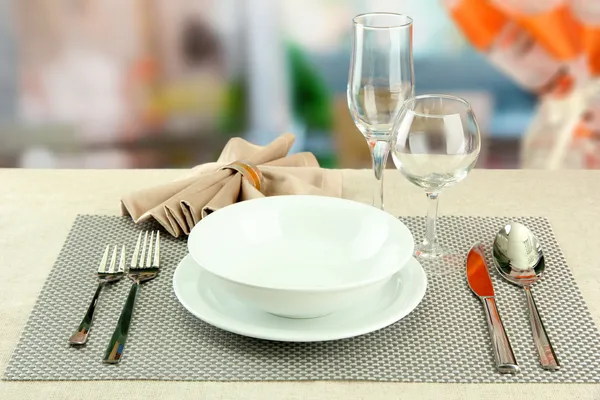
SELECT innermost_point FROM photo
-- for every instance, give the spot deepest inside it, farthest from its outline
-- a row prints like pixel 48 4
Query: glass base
pixel 439 260
pixel 428 251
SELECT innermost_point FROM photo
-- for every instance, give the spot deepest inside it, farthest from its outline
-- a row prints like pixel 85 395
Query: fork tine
pixel 113 261
pixel 122 260
pixel 155 262
pixel 149 258
pixel 136 252
pixel 102 266
pixel 143 256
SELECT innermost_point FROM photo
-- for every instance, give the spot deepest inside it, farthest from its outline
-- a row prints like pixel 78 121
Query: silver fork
pixel 142 270
pixel 107 273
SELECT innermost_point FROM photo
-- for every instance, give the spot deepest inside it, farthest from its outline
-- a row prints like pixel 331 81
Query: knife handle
pixel 503 353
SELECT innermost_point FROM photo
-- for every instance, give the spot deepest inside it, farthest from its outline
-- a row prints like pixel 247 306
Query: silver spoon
pixel 519 259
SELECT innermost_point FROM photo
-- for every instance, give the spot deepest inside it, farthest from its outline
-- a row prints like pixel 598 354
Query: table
pixel 37 208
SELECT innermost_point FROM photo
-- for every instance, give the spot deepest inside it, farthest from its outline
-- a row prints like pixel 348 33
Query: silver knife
pixel 481 284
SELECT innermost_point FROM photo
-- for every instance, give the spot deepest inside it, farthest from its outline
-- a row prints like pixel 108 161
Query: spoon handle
pixel 540 337
pixel 503 353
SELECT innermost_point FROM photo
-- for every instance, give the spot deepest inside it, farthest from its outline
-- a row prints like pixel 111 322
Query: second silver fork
pixel 107 273
pixel 142 270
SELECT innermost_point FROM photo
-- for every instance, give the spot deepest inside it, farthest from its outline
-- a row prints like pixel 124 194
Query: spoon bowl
pixel 518 255
pixel 519 259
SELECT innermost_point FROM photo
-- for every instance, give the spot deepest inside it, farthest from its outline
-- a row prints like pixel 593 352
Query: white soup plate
pixel 301 256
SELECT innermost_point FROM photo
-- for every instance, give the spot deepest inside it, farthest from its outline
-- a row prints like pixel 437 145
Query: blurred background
pixel 165 83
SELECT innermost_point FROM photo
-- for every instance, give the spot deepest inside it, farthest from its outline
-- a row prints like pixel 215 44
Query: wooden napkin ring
pixel 248 171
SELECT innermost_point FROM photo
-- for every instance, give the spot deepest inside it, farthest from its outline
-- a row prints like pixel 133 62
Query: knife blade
pixel 480 283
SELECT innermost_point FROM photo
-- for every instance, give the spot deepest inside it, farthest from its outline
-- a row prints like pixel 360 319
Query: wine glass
pixel 381 79
pixel 436 142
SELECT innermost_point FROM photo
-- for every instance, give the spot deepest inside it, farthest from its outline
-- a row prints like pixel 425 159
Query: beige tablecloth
pixel 38 207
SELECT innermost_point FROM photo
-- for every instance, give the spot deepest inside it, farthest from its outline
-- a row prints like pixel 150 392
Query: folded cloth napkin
pixel 266 171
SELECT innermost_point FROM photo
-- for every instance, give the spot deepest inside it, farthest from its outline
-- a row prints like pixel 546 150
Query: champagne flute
pixel 436 143
pixel 381 79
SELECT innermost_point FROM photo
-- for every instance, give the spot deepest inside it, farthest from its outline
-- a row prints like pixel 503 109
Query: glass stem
pixel 380 149
pixel 431 240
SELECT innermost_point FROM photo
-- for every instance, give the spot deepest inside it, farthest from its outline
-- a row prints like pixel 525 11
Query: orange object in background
pixel 587 13
pixel 554 26
pixel 588 126
pixel 480 22
pixel 591 38
pixel 510 47
pixel 552 48
pixel 586 135
pixel 550 22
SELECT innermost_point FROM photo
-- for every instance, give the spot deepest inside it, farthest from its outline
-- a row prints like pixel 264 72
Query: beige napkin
pixel 179 205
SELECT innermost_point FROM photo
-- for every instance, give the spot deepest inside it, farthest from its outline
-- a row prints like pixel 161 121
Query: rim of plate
pixel 230 324
pixel 339 288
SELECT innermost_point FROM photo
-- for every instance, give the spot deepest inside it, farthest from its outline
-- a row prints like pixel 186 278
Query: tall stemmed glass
pixel 381 79
pixel 436 143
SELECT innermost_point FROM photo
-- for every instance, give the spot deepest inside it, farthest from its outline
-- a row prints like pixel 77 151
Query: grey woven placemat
pixel 444 340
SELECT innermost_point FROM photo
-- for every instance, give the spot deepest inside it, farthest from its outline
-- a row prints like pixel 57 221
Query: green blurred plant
pixel 311 99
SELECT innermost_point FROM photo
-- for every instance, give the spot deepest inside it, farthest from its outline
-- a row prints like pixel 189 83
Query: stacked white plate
pixel 300 268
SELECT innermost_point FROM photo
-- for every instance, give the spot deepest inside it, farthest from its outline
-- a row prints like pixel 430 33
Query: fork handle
pixel 116 346
pixel 82 333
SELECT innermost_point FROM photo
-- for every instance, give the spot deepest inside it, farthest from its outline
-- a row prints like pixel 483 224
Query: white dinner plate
pixel 200 294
